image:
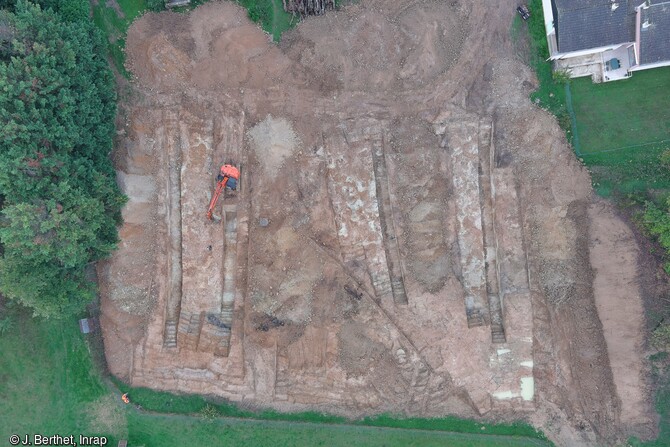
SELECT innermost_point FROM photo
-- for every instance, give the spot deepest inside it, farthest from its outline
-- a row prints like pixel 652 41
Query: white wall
pixel 548 16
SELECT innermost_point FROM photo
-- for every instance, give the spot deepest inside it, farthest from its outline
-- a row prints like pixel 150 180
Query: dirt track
pixel 431 241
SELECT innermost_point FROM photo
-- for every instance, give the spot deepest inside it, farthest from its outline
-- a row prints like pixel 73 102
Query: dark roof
pixel 583 24
pixel 655 38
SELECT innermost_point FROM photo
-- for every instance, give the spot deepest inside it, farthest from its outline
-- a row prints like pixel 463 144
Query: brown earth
pixel 432 245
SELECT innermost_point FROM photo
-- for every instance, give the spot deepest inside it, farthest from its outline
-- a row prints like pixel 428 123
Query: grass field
pixel 115 27
pixel 163 402
pixel 620 130
pixel 269 14
pixel 633 113
pixel 46 380
pixel 168 431
pixel 49 385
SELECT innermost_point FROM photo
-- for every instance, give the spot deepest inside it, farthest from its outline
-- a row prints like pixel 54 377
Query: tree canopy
pixel 59 201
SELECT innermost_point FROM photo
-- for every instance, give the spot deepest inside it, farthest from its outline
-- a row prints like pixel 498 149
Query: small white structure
pixel 175 3
pixel 607 39
pixel 87 325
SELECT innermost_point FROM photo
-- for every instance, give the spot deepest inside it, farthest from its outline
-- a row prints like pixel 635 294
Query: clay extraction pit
pixel 409 235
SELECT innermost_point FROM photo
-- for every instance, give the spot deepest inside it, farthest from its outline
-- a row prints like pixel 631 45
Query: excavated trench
pixel 377 255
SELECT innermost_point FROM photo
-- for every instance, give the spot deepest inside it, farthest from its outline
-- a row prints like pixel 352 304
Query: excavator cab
pixel 233 175
pixel 232 183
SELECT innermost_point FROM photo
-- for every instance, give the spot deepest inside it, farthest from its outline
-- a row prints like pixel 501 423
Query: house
pixel 607 39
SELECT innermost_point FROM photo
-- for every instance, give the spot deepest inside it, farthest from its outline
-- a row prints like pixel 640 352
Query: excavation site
pixel 409 233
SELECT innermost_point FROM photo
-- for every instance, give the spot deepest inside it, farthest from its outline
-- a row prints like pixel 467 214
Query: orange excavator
pixel 228 177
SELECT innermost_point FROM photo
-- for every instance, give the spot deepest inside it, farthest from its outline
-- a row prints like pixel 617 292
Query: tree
pixel 70 10
pixel 59 200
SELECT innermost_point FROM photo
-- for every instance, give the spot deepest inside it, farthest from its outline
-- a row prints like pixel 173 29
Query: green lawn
pixel 177 431
pixel 46 380
pixel 163 402
pixel 620 130
pixel 633 113
pixel 281 21
pixel 632 171
pixel 270 15
pixel 115 26
pixel 49 385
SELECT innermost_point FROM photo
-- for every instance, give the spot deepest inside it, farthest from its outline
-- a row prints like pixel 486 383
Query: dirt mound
pixel 365 48
pixel 409 233
pixel 358 353
pixel 273 141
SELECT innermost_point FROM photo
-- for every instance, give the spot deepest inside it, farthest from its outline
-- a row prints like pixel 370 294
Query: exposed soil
pixel 409 235
pixel 614 257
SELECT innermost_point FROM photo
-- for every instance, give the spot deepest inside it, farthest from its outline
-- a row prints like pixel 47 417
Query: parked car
pixel 523 12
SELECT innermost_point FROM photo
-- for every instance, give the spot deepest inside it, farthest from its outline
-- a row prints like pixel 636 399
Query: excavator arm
pixel 220 186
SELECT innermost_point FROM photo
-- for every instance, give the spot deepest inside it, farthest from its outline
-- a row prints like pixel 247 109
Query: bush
pixel 6 325
pixel 664 158
pixel 156 5
pixel 209 413
pixel 562 76
pixel 657 223
pixel 660 338
pixel 73 10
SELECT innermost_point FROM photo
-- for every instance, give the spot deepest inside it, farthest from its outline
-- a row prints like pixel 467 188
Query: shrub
pixel 561 76
pixel 156 5
pixel 209 413
pixel 657 223
pixel 660 338
pixel 6 325
pixel 664 158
